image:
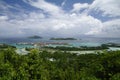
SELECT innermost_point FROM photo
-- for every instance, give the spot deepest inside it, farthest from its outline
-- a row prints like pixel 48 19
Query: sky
pixel 60 18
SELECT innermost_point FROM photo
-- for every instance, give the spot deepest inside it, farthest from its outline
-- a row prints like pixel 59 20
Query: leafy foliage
pixel 64 48
pixel 59 66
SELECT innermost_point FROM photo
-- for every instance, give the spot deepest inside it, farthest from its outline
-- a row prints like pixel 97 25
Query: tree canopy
pixel 59 66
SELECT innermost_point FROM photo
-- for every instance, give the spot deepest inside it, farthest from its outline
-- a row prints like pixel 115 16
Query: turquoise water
pixel 114 48
pixel 89 44
pixel 23 46
pixel 76 43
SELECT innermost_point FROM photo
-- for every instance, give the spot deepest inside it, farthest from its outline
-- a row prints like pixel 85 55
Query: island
pixel 35 37
pixel 63 39
pixel 111 45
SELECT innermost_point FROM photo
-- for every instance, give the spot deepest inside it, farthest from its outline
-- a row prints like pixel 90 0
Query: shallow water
pixel 76 43
pixel 114 48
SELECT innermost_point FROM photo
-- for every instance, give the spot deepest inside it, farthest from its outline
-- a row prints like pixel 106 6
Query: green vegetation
pixel 35 37
pixel 64 48
pixel 63 39
pixel 3 46
pixel 111 45
pixel 59 66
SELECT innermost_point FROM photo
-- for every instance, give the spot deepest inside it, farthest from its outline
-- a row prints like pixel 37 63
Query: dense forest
pixel 59 65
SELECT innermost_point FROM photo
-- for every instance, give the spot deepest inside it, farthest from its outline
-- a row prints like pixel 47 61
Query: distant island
pixel 35 37
pixel 63 39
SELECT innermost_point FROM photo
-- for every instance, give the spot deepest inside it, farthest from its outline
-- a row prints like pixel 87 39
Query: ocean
pixel 79 42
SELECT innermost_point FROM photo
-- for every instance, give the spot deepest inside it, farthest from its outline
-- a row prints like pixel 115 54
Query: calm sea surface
pixel 78 42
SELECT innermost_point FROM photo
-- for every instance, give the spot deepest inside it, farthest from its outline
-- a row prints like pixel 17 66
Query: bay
pixel 76 43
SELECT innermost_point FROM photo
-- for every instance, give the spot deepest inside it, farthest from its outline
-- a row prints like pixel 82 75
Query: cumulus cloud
pixel 52 20
pixel 78 6
pixel 2 18
pixel 8 29
pixel 107 29
pixel 110 8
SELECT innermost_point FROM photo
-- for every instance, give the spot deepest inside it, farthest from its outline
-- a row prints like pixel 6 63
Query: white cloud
pixel 61 23
pixel 8 29
pixel 63 3
pixel 67 25
pixel 107 29
pixel 46 6
pixel 2 18
pixel 109 8
pixel 78 6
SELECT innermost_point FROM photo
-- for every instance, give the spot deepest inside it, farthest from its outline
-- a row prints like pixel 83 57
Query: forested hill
pixel 59 66
pixel 35 37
